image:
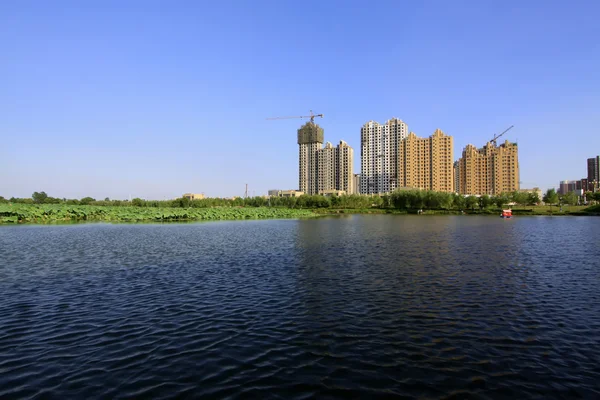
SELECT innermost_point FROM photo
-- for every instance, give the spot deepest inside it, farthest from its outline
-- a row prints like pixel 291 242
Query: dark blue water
pixel 351 307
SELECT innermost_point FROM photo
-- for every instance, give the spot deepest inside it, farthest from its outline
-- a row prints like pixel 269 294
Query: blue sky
pixel 153 98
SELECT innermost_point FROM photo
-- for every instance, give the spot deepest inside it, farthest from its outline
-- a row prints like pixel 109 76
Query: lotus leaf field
pixel 47 213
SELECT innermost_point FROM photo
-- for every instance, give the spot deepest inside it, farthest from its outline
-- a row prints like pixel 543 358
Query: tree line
pixel 400 199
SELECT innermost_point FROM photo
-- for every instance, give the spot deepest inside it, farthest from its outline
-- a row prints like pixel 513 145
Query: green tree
pixel 570 199
pixel 533 199
pixel 472 201
pixel 3 200
pixel 86 201
pixel 458 201
pixel 39 197
pixel 597 196
pixel 501 200
pixel 551 197
pixel 485 201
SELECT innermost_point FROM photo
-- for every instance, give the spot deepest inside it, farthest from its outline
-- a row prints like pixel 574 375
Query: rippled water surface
pixel 355 307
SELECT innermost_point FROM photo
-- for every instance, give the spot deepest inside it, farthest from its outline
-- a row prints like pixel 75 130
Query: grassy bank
pixel 50 213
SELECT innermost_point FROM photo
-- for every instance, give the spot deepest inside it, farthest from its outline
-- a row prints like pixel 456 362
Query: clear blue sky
pixel 153 98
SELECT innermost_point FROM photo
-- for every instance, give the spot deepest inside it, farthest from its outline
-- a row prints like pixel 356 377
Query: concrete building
pixel 379 155
pixel 193 196
pixel 285 193
pixel 455 172
pixel 491 170
pixel 345 168
pixel 310 140
pixel 335 168
pixel 356 184
pixel 426 163
pixel 593 175
pixel 327 168
pixel 567 186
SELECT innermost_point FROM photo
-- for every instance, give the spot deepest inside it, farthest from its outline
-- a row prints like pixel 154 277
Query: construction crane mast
pixel 498 136
pixel 311 116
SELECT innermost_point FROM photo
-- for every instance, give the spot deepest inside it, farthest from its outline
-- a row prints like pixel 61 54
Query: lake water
pixel 361 306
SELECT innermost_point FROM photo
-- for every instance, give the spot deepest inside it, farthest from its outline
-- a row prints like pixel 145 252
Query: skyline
pixel 112 100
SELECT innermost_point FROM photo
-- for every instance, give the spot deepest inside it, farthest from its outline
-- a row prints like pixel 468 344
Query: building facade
pixel 310 140
pixel 593 175
pixel 491 170
pixel 356 184
pixel 379 155
pixel 327 168
pixel 193 196
pixel 455 172
pixel 335 168
pixel 568 186
pixel 345 168
pixel 426 163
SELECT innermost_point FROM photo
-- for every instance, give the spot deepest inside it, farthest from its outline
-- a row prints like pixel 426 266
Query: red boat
pixel 506 214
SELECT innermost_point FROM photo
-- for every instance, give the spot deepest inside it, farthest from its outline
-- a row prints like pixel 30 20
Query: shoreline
pixel 64 214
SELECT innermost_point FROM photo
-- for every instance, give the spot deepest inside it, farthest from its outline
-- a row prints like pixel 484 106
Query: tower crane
pixel 498 136
pixel 311 116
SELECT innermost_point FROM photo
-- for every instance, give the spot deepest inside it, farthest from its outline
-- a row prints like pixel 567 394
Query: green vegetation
pixel 43 208
pixel 49 213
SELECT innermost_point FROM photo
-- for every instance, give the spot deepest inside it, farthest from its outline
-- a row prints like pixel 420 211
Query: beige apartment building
pixel 345 168
pixel 335 168
pixel 491 170
pixel 426 163
pixel 327 165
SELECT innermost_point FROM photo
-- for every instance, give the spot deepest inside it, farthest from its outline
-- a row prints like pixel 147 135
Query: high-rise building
pixel 310 140
pixel 356 184
pixel 379 155
pixel 491 170
pixel 327 166
pixel 426 163
pixel 345 168
pixel 567 186
pixel 455 171
pixel 593 167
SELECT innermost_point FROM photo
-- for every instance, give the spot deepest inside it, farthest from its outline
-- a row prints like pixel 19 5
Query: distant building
pixel 455 171
pixel 379 155
pixel 345 168
pixel 274 192
pixel 310 140
pixel 356 185
pixel 593 175
pixel 193 196
pixel 567 187
pixel 287 193
pixel 322 169
pixel 426 163
pixel 491 170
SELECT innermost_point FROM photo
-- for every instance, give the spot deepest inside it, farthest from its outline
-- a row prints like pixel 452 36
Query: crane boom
pixel 498 136
pixel 311 116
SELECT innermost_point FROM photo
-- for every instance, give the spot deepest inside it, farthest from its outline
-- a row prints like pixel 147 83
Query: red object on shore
pixel 506 214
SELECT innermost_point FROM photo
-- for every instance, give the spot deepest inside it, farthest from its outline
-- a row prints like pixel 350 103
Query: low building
pixel 193 196
pixel 286 193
